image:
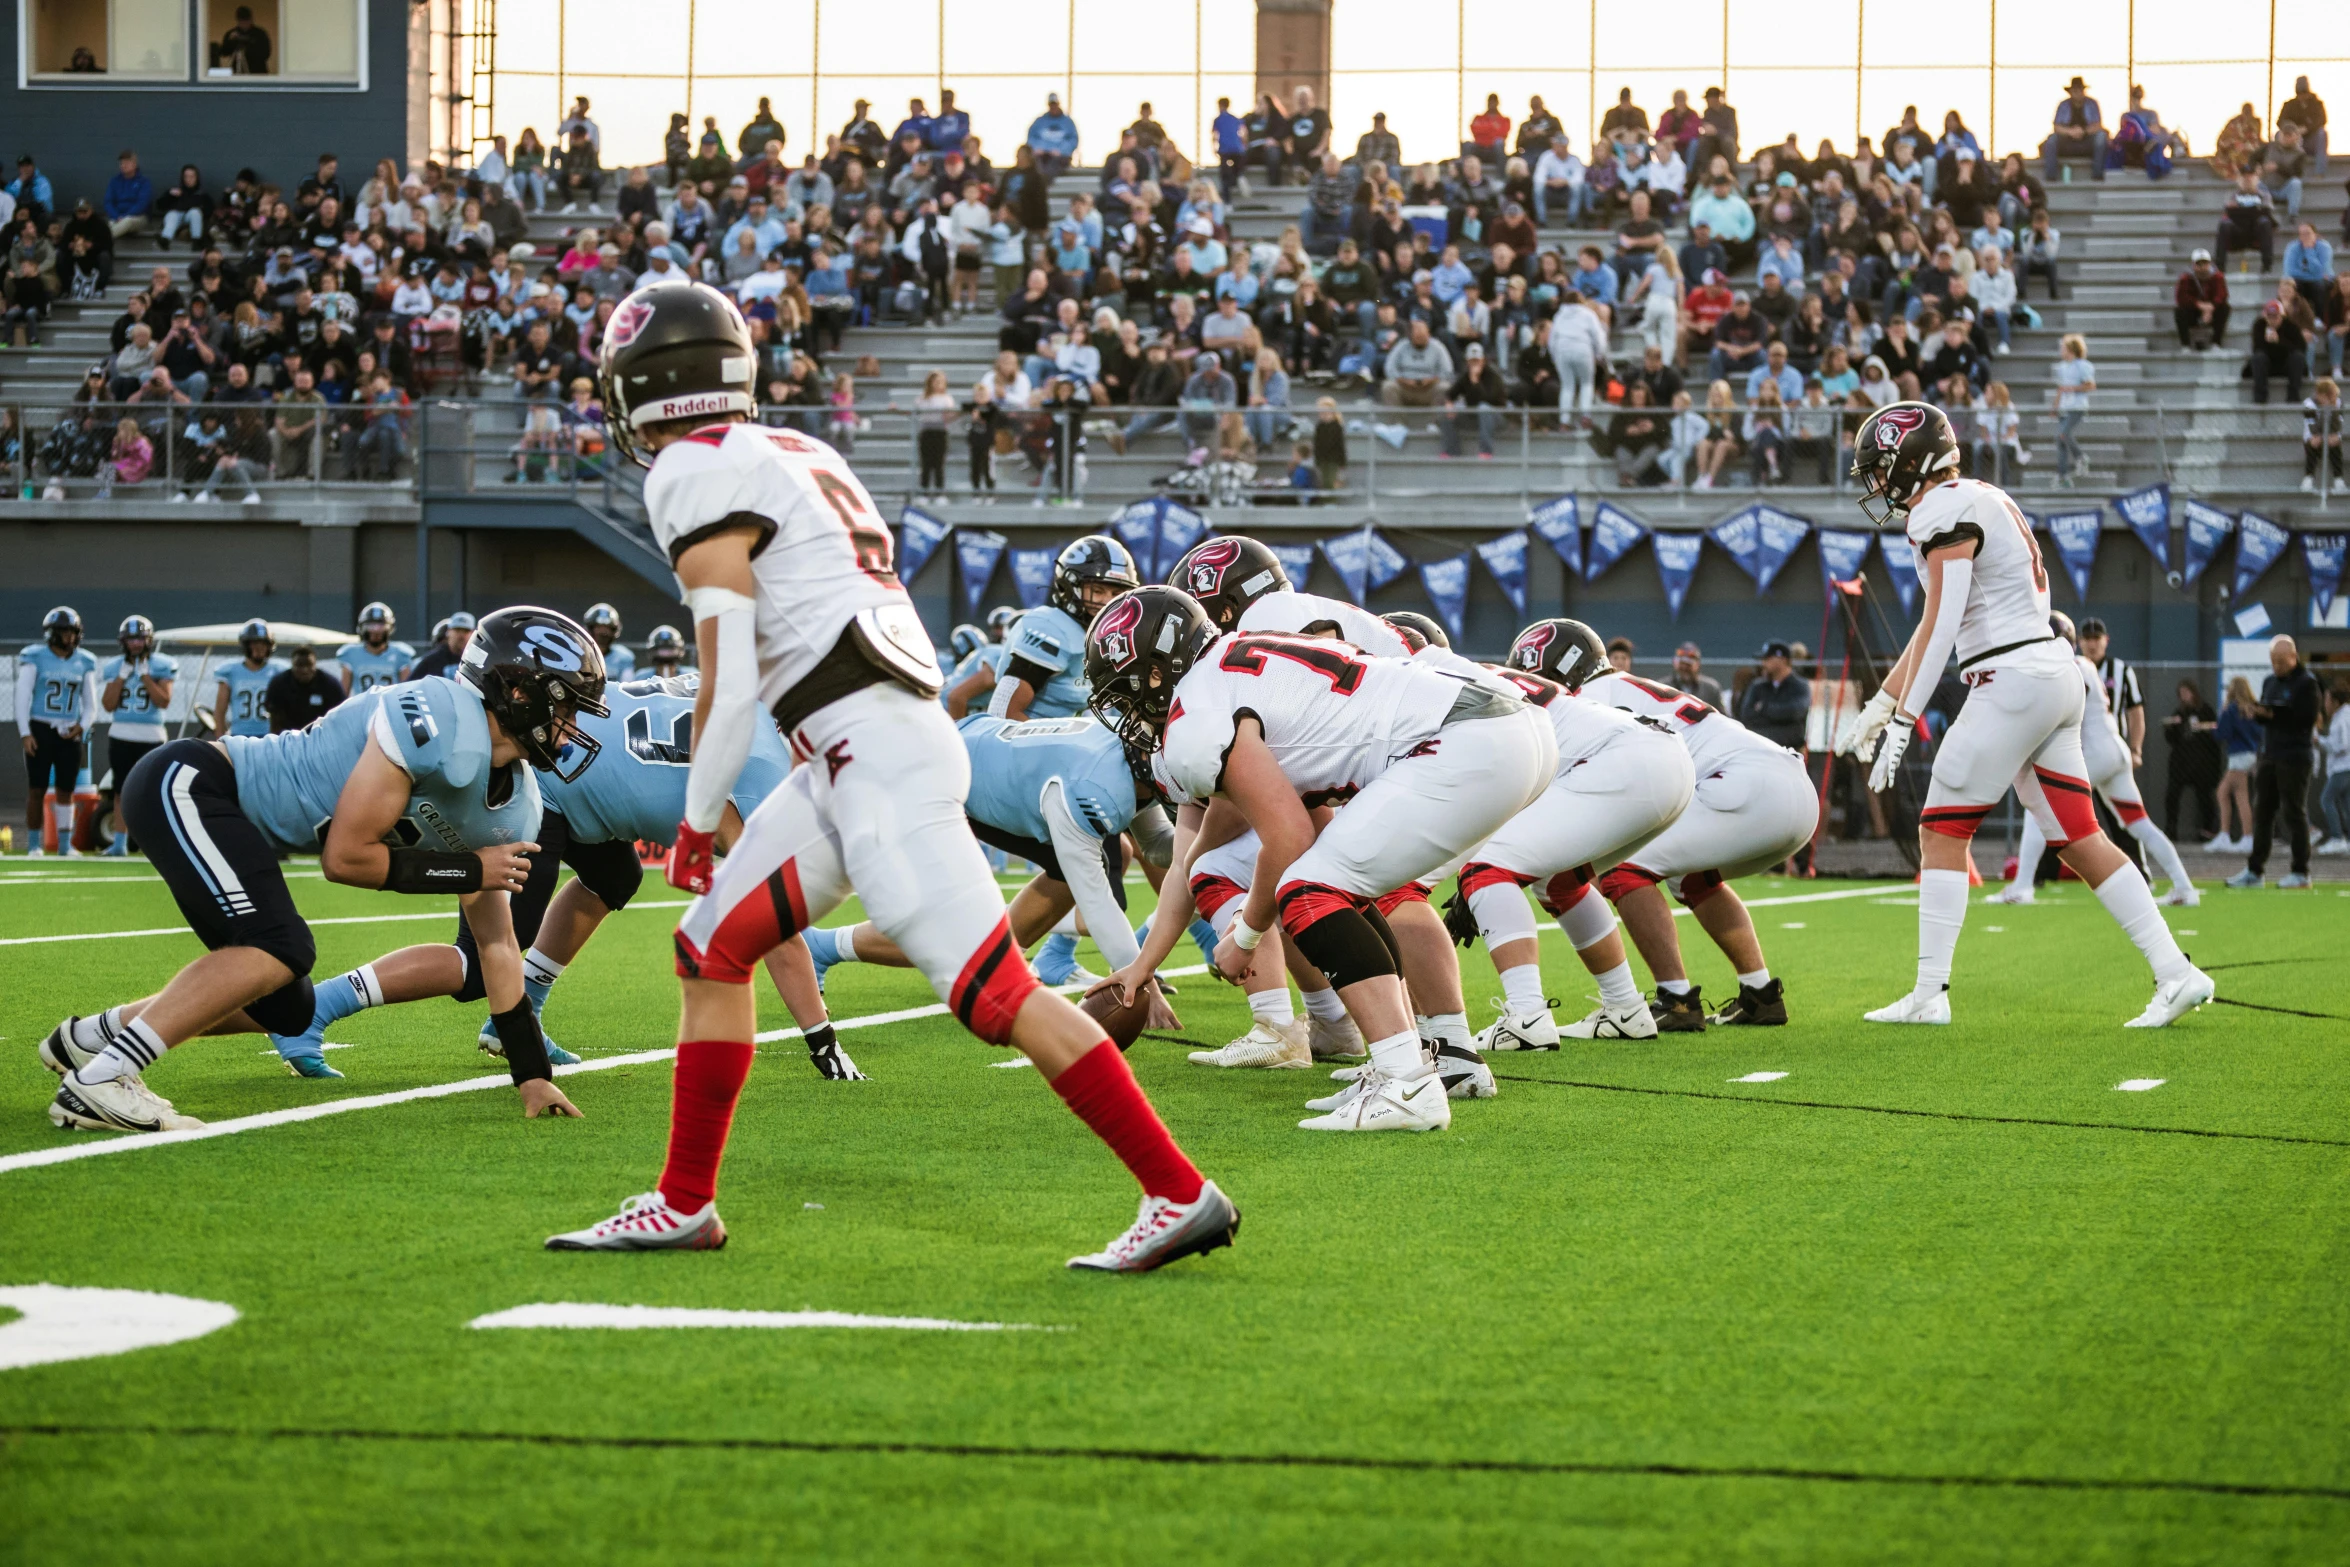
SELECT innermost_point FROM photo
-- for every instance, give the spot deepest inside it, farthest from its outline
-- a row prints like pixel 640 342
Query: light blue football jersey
pixel 366 668
pixel 635 788
pixel 989 657
pixel 248 692
pixel 619 664
pixel 60 684
pixel 1011 763
pixel 1051 639
pixel 137 717
pixel 435 729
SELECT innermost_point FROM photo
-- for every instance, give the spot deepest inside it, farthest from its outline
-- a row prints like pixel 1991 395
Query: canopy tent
pixel 289 634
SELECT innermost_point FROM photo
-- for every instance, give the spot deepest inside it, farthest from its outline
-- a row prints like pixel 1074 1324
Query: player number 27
pixel 870 538
pixel 1247 655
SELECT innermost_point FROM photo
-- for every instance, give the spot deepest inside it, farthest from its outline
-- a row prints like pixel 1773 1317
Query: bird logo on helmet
pixel 1094 560
pixel 1113 633
pixel 1526 652
pixel 536 670
pixel 1141 645
pixel 1566 651
pixel 61 628
pixel 1900 452
pixel 1229 574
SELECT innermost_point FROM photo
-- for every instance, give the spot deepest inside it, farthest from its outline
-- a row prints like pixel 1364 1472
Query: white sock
pixel 1503 915
pixel 1271 1006
pixel 1398 1055
pixel 366 987
pixel 537 965
pixel 2029 849
pixel 1673 987
pixel 1324 1004
pixel 1941 915
pixel 1447 1028
pixel 1756 980
pixel 844 943
pixel 2131 903
pixel 1588 919
pixel 1616 989
pixel 1521 990
pixel 2161 850
pixel 134 1048
pixel 95 1033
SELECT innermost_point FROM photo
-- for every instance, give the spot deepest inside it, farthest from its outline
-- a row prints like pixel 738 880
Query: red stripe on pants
pixel 1305 904
pixel 2070 802
pixel 1476 876
pixel 993 986
pixel 1211 893
pixel 1409 892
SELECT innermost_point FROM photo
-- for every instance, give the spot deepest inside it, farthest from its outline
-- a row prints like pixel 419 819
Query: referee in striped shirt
pixel 2122 696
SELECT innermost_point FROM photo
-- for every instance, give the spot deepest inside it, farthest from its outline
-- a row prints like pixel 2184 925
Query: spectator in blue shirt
pixel 30 189
pixel 129 196
pixel 1052 136
pixel 2309 262
pixel 1231 144
pixel 917 121
pixel 1776 369
pixel 1449 277
pixel 950 125
pixel 2078 130
pixel 1783 261
pixel 1594 279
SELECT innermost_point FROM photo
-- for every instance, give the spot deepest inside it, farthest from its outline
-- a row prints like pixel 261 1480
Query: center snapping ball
pixel 1122 1023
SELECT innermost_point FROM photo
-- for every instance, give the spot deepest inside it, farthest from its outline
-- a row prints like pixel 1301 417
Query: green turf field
pixel 1932 1295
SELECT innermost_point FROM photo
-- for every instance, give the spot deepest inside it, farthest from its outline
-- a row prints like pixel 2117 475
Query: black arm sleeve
pixel 525 1046
pixel 433 870
pixel 1036 675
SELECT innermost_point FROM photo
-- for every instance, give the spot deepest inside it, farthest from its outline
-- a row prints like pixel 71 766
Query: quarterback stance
pixel 56 701
pixel 1987 600
pixel 375 660
pixel 418 788
pixel 797 608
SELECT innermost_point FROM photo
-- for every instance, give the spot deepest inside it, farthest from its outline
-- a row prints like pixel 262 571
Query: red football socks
pixel 708 1079
pixel 1102 1091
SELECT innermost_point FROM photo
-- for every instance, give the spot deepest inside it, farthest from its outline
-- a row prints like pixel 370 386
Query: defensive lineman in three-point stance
pixel 1987 600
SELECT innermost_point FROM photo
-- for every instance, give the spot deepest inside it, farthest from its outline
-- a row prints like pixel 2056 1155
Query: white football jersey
pixel 1582 728
pixel 1292 612
pixel 2007 602
pixel 1334 718
pixel 824 556
pixel 1711 736
pixel 2094 713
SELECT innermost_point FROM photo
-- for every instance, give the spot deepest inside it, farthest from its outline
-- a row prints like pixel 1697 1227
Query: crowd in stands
pixel 1775 294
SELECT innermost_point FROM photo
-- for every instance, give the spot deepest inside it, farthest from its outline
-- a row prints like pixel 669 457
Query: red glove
pixel 692 860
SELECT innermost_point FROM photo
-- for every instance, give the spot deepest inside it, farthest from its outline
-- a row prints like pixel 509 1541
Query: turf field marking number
pixel 2139 1085
pixel 574 1314
pixel 1759 1077
pixel 59 1323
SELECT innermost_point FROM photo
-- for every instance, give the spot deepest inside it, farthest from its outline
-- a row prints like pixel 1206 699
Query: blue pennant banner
pixel 919 536
pixel 1386 561
pixel 1740 537
pixel 1560 522
pixel 1505 557
pixel 2147 511
pixel 1676 564
pixel 1779 534
pixel 1179 529
pixel 1447 582
pixel 1901 564
pixel 2207 526
pixel 2075 533
pixel 976 552
pixel 1137 527
pixel 1613 532
pixel 1297 560
pixel 1349 554
pixel 1032 575
pixel 2259 544
pixel 2322 553
pixel 1842 553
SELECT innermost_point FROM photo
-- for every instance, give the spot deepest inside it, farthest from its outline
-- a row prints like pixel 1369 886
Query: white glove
pixel 1859 733
pixel 1889 754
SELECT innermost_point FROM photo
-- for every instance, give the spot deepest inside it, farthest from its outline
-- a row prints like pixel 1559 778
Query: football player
pixel 375 659
pixel 603 623
pixel 240 704
pixel 421 788
pixel 1044 653
pixel 798 610
pixel 137 692
pixel 2107 753
pixel 633 789
pixel 56 699
pixel 1260 728
pixel 666 648
pixel 1243 587
pixel 1987 600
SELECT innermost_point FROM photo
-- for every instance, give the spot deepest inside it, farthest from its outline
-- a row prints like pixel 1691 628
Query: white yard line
pixel 575 1314
pixel 347 919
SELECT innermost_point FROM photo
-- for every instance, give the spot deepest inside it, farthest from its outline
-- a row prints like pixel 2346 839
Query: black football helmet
pixel 2062 624
pixel 1140 645
pixel 999 622
pixel 1417 630
pixel 1566 651
pixel 61 628
pixel 665 646
pixel 1095 558
pixel 605 619
pixel 674 351
pixel 965 640
pixel 1900 452
pixel 536 669
pixel 256 630
pixel 135 628
pixel 1227 575
pixel 377 614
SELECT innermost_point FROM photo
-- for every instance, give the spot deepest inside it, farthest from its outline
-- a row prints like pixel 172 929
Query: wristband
pixel 433 870
pixel 524 1044
pixel 1244 935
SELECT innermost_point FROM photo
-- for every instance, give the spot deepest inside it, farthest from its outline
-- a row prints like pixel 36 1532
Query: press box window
pixel 285 40
pixel 128 40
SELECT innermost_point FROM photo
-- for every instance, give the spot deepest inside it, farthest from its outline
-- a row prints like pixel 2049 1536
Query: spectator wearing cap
pixel 1418 369
pixel 1559 181
pixel 442 657
pixel 1739 340
pixel 1052 137
pixel 130 195
pixel 1702 254
pixel 2305 111
pixel 1474 400
pixel 1376 145
pixel 1702 312
pixel 2077 131
pixel 1689 676
pixel 2199 304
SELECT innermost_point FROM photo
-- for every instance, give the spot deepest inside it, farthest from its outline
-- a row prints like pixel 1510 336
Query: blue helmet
pixel 965 640
pixel 135 626
pixel 62 623
pixel 256 630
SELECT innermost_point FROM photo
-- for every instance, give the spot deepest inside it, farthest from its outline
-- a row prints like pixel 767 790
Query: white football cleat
pixel 1465 1074
pixel 2182 895
pixel 1914 1008
pixel 60 1054
pixel 1605 1022
pixel 1379 1103
pixel 1339 1041
pixel 1280 1048
pixel 1165 1231
pixel 2175 1000
pixel 2012 894
pixel 1522 1031
pixel 120 1104
pixel 646 1222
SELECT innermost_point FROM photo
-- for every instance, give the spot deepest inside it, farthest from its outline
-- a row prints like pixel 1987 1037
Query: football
pixel 1122 1023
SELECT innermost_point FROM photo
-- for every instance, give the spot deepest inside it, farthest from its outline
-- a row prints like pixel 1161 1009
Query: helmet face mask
pixel 1900 452
pixel 1567 651
pixel 61 628
pixel 666 647
pixel 376 623
pixel 256 633
pixel 537 671
pixel 1141 645
pixel 139 629
pixel 603 623
pixel 1090 573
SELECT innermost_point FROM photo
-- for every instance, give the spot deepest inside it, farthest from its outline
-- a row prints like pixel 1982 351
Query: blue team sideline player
pixel 1044 655
pixel 421 788
pixel 634 788
pixel 665 650
pixel 56 698
pixel 1061 792
pixel 374 660
pixel 603 623
pixel 241 704
pixel 976 673
pixel 137 691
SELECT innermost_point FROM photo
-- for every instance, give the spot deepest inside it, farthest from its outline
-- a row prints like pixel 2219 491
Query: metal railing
pixel 180 450
pixel 2249 449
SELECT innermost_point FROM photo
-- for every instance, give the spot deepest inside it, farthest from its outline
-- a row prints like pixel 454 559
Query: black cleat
pixel 1682 1014
pixel 1757 1006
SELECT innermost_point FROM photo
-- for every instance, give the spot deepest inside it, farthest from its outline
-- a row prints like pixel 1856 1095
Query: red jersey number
pixel 2023 526
pixel 874 547
pixel 1686 709
pixel 1247 655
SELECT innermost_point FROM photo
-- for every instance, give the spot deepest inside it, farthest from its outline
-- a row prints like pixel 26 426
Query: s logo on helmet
pixel 1114 632
pixel 1208 564
pixel 1527 654
pixel 630 319
pixel 552 648
pixel 1896 423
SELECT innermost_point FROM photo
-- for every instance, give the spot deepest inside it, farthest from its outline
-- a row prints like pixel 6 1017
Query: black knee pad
pixel 1386 934
pixel 609 870
pixel 287 1009
pixel 1347 946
